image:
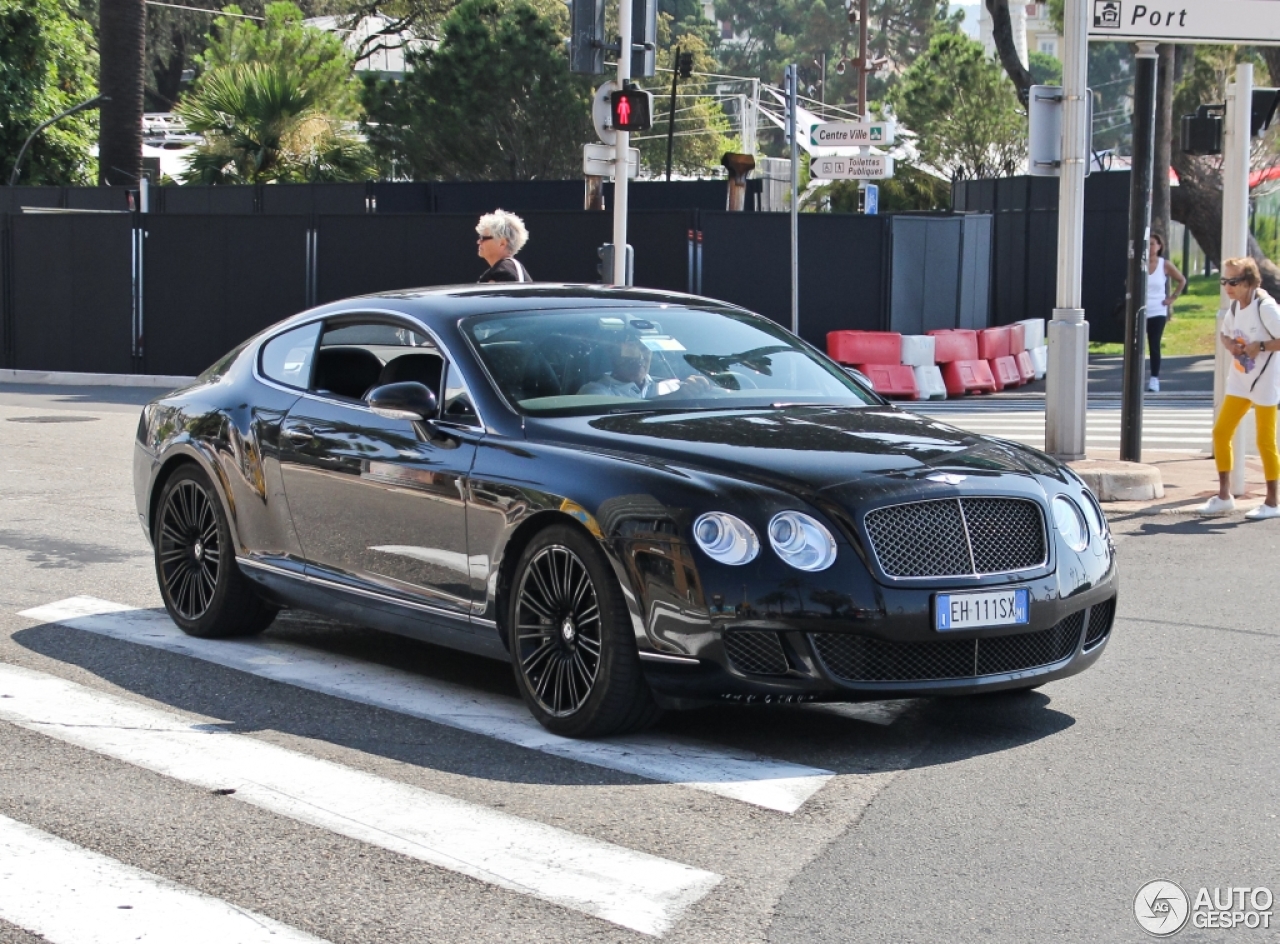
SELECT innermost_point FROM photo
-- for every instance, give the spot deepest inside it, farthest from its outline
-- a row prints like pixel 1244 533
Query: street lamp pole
pixel 89 103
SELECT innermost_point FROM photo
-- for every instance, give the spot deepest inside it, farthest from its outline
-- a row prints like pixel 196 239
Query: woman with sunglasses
pixel 1251 333
pixel 500 235
pixel 1164 284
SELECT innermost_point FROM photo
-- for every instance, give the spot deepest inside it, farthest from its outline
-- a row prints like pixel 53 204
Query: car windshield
pixel 612 360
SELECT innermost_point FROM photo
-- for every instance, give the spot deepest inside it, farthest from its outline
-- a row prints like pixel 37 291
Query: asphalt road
pixel 1006 819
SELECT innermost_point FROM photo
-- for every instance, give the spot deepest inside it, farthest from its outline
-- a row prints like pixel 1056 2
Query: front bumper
pixel 893 654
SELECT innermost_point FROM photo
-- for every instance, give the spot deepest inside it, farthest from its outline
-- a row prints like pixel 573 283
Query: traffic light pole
pixel 793 81
pixel 1135 329
pixel 623 146
pixel 1235 232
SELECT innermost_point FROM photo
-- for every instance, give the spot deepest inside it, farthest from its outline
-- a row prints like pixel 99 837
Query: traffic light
pixel 684 64
pixel 1264 104
pixel 604 268
pixel 632 109
pixel 586 37
pixel 1202 132
pixel 644 32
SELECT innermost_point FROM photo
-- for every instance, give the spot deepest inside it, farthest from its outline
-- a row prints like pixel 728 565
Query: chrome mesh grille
pixel 756 653
pixel 924 539
pixel 1100 619
pixel 866 659
pixel 955 537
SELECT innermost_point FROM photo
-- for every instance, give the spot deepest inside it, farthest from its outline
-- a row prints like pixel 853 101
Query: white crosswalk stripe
pixel 70 895
pixel 1187 429
pixel 629 888
pixel 736 775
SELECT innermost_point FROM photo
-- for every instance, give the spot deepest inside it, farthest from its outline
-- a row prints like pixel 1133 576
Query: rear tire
pixel 203 589
pixel 573 650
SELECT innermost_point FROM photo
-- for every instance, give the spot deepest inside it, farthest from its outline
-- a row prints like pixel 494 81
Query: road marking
pixel 737 775
pixel 71 895
pixel 632 889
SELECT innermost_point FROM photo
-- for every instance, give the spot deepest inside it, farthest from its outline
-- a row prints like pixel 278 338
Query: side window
pixel 456 406
pixel 286 359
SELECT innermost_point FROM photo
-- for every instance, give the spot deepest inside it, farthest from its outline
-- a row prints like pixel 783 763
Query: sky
pixel 971 13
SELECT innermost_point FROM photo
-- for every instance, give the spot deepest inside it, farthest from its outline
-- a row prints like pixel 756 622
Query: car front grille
pixel 1101 616
pixel 958 537
pixel 867 659
pixel 756 653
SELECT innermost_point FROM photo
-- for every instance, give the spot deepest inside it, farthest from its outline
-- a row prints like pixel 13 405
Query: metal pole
pixel 793 80
pixel 1140 182
pixel 620 157
pixel 671 120
pixel 862 60
pixel 1235 231
pixel 1067 383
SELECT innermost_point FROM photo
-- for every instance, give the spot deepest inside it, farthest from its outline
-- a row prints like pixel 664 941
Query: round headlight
pixel 1070 523
pixel 725 538
pixel 1093 512
pixel 801 541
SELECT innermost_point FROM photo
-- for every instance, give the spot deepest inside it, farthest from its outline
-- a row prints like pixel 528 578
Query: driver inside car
pixel 630 377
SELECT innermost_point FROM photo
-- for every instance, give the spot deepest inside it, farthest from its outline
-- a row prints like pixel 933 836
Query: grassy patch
pixel 1194 322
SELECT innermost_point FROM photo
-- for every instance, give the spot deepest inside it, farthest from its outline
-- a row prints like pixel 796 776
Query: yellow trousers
pixel 1233 411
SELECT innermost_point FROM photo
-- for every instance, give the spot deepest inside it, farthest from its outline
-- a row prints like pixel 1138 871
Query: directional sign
pixel 1256 22
pixel 598 160
pixel 852 133
pixel 856 167
pixel 871 200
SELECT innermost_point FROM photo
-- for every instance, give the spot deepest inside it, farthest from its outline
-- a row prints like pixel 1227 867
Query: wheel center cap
pixel 198 550
pixel 567 630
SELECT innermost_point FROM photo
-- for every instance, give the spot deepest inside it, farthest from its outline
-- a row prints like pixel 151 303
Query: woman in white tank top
pixel 1162 275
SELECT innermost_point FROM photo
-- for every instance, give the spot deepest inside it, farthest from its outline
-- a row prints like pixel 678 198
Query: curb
pixel 73 379
pixel 1114 481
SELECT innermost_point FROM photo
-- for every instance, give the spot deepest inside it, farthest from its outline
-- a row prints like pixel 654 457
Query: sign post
pixel 1235 232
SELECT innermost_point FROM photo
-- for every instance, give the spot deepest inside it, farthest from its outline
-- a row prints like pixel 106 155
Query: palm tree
pixel 122 39
pixel 263 122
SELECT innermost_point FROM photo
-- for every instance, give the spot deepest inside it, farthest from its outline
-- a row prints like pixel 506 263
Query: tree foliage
pixel 778 32
pixel 964 110
pixel 275 102
pixel 47 64
pixel 494 100
pixel 702 131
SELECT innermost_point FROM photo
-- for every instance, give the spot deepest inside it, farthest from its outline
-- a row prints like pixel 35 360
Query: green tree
pixel 318 55
pixel 46 66
pixel 275 101
pixel 263 123
pixel 964 110
pixel 702 131
pixel 494 100
pixel 1045 69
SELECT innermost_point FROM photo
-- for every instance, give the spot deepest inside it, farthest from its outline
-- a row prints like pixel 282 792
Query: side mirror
pixel 860 377
pixel 403 401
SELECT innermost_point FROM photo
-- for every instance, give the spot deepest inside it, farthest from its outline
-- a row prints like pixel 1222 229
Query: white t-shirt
pixel 1258 321
pixel 1157 291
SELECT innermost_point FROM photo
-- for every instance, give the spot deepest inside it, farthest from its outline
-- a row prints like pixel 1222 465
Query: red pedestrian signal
pixel 632 109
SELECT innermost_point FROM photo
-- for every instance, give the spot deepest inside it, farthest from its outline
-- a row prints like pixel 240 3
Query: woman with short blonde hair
pixel 1251 333
pixel 500 235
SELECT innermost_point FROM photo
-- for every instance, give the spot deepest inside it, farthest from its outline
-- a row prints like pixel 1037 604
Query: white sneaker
pixel 1262 512
pixel 1217 506
pixel 1153 385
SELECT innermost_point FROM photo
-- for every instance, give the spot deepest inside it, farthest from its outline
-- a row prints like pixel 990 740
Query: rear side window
pixel 287 358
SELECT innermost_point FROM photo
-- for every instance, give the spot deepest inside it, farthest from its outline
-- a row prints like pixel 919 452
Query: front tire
pixel 203 589
pixel 572 647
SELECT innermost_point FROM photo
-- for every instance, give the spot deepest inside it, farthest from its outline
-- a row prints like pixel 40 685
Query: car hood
pixel 801 449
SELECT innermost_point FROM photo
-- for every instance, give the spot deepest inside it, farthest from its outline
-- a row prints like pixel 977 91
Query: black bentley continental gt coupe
pixel 642 500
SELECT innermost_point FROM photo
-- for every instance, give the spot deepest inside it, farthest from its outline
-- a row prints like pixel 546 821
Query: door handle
pixel 299 434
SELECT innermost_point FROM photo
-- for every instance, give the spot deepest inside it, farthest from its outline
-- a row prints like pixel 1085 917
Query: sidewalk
pixel 1189 480
pixel 1181 378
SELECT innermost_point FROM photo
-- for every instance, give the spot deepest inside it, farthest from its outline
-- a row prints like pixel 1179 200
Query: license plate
pixel 972 610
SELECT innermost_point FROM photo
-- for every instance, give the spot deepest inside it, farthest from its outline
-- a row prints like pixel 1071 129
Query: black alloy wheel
pixel 203 589
pixel 572 646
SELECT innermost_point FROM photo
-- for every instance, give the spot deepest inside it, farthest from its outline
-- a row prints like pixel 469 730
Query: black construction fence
pixel 1024 267
pixel 169 293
